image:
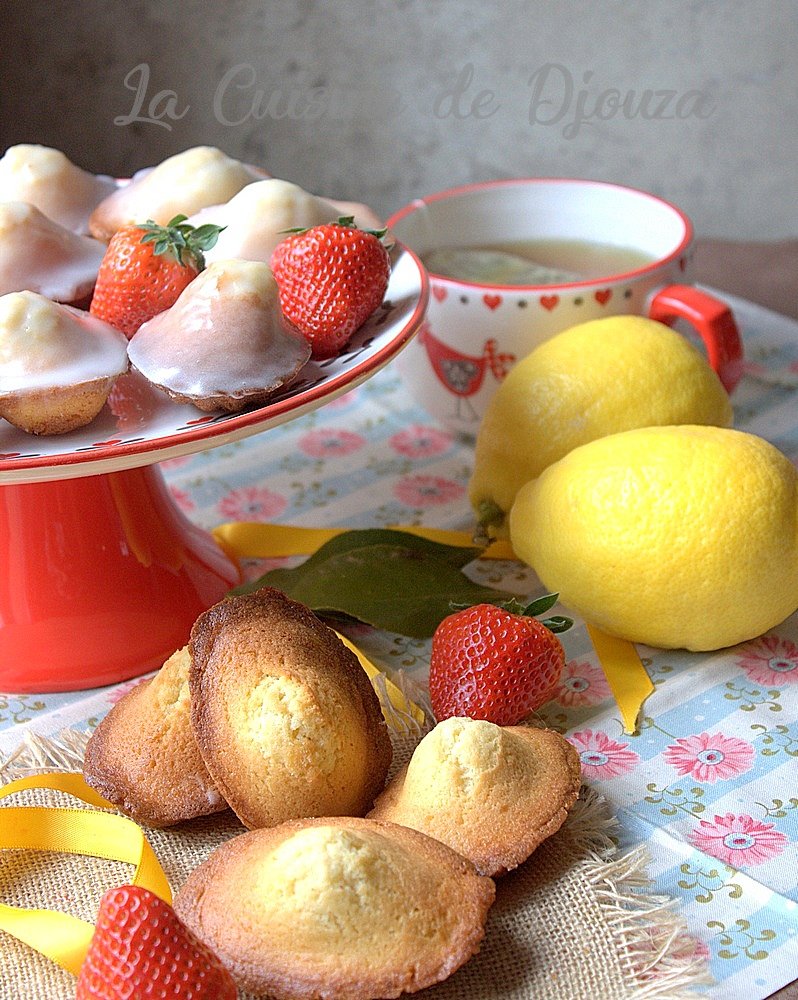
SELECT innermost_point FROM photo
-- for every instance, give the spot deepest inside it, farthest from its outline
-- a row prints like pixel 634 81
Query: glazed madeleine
pixel 48 180
pixel 38 255
pixel 57 364
pixel 224 344
pixel 180 185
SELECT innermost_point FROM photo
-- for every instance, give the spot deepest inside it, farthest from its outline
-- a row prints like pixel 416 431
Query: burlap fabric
pixel 572 923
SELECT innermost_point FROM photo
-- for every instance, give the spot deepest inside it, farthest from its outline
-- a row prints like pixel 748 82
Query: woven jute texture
pixel 574 922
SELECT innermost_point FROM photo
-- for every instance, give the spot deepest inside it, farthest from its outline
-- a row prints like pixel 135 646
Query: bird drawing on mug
pixel 463 374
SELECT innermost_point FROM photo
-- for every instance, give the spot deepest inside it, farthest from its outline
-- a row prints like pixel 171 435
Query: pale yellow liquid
pixel 574 260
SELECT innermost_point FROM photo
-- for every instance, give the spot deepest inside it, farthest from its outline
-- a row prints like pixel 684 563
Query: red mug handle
pixel 712 320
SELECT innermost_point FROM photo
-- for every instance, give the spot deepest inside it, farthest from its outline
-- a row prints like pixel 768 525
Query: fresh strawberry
pixel 145 268
pixel 493 664
pixel 331 279
pixel 141 949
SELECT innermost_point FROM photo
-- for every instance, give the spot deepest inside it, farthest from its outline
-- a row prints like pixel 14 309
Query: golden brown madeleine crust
pixel 143 756
pixel 285 717
pixel 492 793
pixel 337 907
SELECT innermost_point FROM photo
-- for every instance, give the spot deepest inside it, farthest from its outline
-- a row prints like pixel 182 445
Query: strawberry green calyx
pixel 557 623
pixel 347 221
pixel 180 240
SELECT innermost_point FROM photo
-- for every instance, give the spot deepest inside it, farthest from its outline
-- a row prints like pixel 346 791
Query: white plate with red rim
pixel 141 425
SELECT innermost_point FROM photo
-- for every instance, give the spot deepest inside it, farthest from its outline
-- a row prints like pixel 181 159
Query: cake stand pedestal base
pixel 101 579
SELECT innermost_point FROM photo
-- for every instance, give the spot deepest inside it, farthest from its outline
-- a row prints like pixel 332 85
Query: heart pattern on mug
pixel 492 301
pixel 439 292
pixel 549 302
pixel 603 296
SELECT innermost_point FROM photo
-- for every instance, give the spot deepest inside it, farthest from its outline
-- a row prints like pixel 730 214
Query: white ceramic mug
pixel 474 332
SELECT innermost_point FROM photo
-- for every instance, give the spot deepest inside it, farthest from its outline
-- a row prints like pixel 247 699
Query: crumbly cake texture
pixel 346 907
pixel 56 411
pixel 491 793
pixel 143 756
pixel 285 717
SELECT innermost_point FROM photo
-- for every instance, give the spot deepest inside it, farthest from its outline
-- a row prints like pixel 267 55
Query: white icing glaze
pixel 38 255
pixel 181 184
pixel 46 178
pixel 255 219
pixel 44 345
pixel 225 335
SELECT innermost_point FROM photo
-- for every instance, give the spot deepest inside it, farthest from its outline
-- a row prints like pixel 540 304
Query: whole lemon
pixel 594 379
pixel 672 536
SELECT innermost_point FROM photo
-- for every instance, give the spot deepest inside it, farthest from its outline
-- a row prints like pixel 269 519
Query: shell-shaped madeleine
pixel 337 908
pixel 491 793
pixel 49 180
pixel 143 756
pixel 256 219
pixel 224 343
pixel 38 255
pixel 182 184
pixel 285 717
pixel 57 364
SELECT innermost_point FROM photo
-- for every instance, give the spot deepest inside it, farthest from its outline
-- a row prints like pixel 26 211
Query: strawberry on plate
pixel 495 664
pixel 331 278
pixel 141 949
pixel 146 267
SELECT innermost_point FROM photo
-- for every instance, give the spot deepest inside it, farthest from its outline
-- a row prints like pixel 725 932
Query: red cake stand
pixel 101 575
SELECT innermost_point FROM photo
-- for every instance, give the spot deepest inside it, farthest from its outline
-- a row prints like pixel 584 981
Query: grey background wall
pixel 385 100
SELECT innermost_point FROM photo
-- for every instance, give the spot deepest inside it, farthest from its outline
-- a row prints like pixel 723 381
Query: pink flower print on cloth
pixel 710 757
pixel 582 683
pixel 330 442
pixel 418 441
pixel 602 757
pixel 770 661
pixel 427 491
pixel 341 402
pixel 738 841
pixel 175 463
pixel 182 499
pixel 252 503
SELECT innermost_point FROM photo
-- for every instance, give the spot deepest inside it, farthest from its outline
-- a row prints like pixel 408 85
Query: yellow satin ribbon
pixel 257 540
pixel 60 936
pixel 395 696
pixel 625 673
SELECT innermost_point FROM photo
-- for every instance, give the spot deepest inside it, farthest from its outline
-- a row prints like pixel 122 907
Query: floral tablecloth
pixel 710 781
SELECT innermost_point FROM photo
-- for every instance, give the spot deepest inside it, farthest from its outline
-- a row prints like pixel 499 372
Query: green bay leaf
pixel 392 580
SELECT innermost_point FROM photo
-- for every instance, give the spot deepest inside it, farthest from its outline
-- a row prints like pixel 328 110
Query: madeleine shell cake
pixel 57 364
pixel 491 793
pixel 181 184
pixel 39 255
pixel 332 908
pixel 257 218
pixel 285 717
pixel 225 343
pixel 143 756
pixel 46 178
